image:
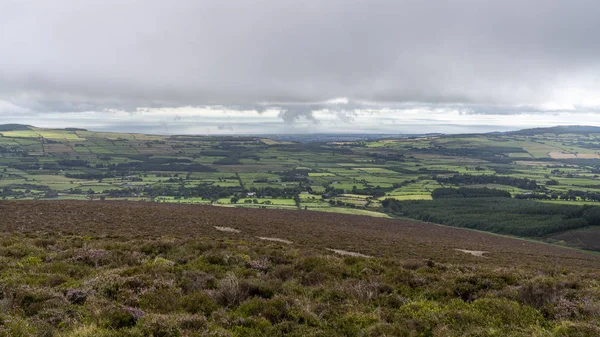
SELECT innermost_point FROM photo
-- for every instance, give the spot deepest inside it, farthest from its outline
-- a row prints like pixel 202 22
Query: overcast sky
pixel 289 66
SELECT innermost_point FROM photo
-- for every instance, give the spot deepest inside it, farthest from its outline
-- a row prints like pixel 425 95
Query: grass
pixel 349 211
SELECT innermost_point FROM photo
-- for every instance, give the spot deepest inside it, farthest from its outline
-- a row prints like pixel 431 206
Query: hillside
pixel 568 129
pixel 139 269
pixel 14 127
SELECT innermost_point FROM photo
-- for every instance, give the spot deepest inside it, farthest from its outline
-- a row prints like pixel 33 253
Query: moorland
pixel 116 268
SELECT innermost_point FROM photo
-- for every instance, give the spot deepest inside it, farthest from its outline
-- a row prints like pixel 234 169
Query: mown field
pixel 107 268
pixel 555 166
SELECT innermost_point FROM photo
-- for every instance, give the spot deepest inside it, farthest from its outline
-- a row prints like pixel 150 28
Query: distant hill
pixel 20 127
pixel 14 127
pixel 577 129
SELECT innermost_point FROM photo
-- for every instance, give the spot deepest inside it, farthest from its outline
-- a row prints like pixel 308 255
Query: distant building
pixel 251 194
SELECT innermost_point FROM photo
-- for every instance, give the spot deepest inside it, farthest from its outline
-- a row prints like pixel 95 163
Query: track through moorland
pixel 368 235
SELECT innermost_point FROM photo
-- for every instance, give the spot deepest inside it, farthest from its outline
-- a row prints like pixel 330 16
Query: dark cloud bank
pixel 492 56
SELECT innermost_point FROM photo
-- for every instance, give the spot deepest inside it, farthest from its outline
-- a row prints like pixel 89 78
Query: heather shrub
pixel 198 303
pixel 118 317
pixel 111 286
pixel 231 291
pixel 160 326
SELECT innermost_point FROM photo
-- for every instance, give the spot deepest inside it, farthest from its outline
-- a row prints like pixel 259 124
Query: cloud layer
pixel 299 56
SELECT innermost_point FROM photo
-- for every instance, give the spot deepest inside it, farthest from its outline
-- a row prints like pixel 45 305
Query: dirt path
pixel 227 229
pixel 478 253
pixel 275 240
pixel 347 253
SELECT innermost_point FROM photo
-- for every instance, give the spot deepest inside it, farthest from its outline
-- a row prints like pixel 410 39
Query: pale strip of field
pixel 562 155
pixel 274 142
pixel 21 133
pixel 536 163
pixel 374 170
pixel 358 196
pixel 519 154
pixel 349 211
pixel 408 197
pixel 321 174
pixel 588 156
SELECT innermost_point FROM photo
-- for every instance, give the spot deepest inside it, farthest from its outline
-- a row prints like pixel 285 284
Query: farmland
pixel 552 167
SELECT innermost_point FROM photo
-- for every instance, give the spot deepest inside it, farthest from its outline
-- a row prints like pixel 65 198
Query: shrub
pixel 264 288
pixel 76 296
pixel 118 317
pixel 231 291
pixel 539 292
pixel 17 327
pixel 198 303
pixel 163 300
pixel 34 300
pixel 194 280
pixel 161 261
pixel 155 248
pixel 192 322
pixel 576 329
pixel 274 310
pixel 159 326
pixel 283 272
pixel 216 258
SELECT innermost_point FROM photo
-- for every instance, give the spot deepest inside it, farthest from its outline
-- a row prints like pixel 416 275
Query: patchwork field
pixel 555 166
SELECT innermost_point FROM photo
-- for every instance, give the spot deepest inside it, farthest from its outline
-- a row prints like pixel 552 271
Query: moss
pixel 31 261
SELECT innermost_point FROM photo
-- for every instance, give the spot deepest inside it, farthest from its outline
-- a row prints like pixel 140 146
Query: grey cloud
pixel 493 55
pixel 225 127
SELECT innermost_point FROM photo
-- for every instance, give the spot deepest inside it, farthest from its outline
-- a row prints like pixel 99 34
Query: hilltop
pixel 14 127
pixel 573 129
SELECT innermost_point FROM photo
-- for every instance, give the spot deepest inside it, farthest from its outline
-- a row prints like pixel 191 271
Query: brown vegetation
pixel 142 269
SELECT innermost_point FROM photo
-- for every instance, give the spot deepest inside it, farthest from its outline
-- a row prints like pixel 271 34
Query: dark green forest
pixel 499 215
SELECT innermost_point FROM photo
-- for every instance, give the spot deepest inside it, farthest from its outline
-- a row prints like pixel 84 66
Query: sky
pixel 288 66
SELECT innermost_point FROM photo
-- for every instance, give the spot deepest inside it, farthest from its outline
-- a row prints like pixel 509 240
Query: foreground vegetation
pixel 123 269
